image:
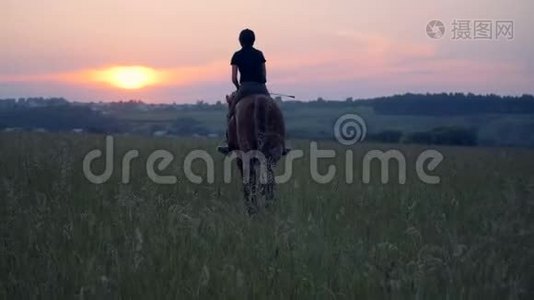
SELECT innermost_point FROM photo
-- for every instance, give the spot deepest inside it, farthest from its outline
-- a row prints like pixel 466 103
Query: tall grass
pixel 471 236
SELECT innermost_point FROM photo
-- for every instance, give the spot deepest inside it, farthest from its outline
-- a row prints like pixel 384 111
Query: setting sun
pixel 128 77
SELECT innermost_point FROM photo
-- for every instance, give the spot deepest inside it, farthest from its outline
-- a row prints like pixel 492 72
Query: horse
pixel 256 133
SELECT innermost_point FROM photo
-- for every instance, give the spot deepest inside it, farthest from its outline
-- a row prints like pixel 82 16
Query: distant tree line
pixel 57 114
pixel 58 118
pixel 446 135
pixel 452 104
pixel 32 102
pixel 443 104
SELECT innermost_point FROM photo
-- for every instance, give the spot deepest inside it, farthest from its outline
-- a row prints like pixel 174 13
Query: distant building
pixel 160 133
pixel 12 129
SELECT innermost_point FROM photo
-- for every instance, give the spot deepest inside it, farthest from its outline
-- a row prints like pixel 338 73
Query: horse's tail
pixel 260 122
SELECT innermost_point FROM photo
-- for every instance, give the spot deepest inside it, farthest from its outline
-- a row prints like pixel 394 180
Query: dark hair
pixel 247 38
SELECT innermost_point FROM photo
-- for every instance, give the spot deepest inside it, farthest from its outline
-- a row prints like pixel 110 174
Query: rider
pixel 250 63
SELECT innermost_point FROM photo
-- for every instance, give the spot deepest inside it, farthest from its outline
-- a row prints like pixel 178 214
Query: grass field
pixel 469 237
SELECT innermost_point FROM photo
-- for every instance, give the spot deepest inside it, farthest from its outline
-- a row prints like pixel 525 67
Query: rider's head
pixel 247 38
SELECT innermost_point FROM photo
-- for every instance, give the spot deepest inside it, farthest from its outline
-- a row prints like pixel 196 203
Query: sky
pixel 332 49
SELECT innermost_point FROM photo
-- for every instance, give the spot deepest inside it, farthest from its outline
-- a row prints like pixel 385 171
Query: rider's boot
pixel 223 147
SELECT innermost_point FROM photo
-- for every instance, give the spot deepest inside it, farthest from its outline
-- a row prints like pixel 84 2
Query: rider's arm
pixel 234 76
pixel 264 70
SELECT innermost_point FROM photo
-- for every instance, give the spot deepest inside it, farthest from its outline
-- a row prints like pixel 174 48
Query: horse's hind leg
pixel 268 187
pixel 250 192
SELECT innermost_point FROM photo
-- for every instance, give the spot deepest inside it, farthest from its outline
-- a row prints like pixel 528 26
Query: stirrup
pixel 224 149
pixel 286 151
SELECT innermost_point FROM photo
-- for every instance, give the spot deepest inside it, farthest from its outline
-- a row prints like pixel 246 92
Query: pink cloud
pixel 399 64
pixel 393 62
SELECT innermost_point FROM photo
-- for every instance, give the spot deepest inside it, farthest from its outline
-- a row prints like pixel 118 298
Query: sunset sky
pixel 329 48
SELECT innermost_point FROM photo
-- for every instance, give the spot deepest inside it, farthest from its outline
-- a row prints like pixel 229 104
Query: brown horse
pixel 257 134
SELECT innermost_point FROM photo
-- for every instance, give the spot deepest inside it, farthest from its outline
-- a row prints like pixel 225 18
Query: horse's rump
pixel 260 126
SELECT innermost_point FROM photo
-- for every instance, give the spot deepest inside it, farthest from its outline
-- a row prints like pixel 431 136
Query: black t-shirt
pixel 249 62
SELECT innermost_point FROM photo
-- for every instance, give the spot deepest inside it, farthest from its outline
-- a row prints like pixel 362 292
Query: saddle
pixel 246 89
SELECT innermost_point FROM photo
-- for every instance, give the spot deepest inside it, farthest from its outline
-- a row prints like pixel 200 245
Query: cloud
pixel 358 56
pixel 349 63
pixel 178 76
pixel 392 62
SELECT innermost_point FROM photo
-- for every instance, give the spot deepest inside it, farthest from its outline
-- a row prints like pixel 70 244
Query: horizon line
pixel 319 98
